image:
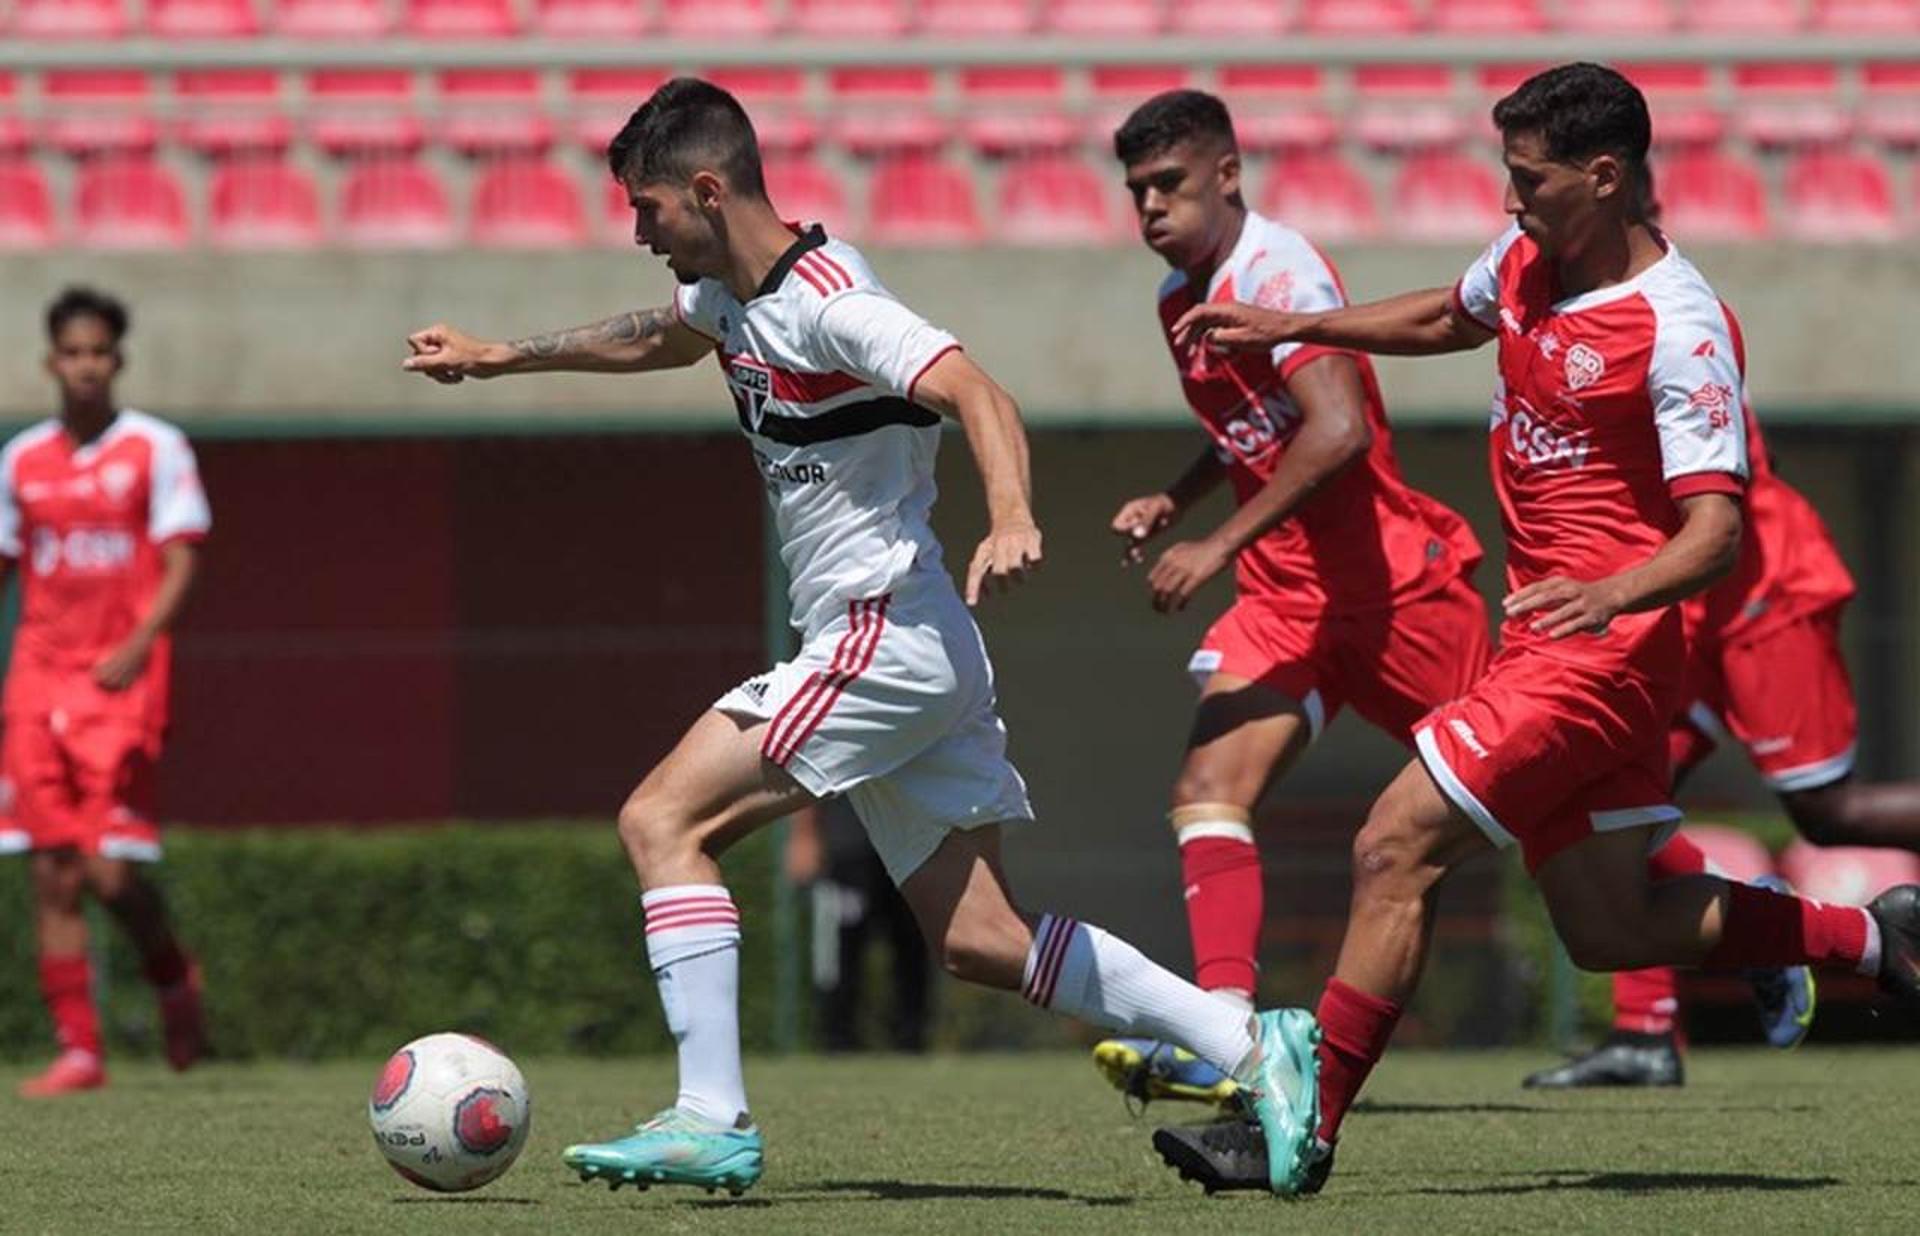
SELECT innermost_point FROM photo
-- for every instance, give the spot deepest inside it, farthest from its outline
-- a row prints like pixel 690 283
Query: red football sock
pixel 66 984
pixel 1646 1001
pixel 1224 908
pixel 1355 1028
pixel 1773 929
pixel 1679 857
pixel 166 966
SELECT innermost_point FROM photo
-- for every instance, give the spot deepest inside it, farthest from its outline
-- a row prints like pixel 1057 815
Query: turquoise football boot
pixel 675 1147
pixel 1281 1087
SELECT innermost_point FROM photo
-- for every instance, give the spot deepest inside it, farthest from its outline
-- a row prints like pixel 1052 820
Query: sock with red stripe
pixel 1355 1028
pixel 1086 973
pixel 1765 928
pixel 693 945
pixel 1220 868
pixel 66 984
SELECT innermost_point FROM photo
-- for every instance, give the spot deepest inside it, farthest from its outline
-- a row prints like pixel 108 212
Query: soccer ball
pixel 450 1112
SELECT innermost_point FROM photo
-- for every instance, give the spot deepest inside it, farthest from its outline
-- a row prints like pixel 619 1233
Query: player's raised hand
pixel 1183 570
pixel 1228 326
pixel 449 355
pixel 1142 519
pixel 1003 560
pixel 1564 606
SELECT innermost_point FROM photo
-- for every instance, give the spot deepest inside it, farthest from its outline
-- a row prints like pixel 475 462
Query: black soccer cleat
pixel 1622 1059
pixel 1231 1155
pixel 1897 911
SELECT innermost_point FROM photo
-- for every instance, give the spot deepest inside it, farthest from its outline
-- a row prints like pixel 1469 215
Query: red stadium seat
pixel 1839 196
pixel 1743 17
pixel 1901 17
pixel 718 20
pixel 361 111
pixel 886 110
pixel 1278 107
pixel 1009 109
pixel 1229 18
pixel 98 111
pixel 1680 98
pixel 231 110
pixel 128 203
pixel 492 112
pixel 848 19
pixel 1846 875
pixel 1052 199
pixel 26 206
pixel 1791 104
pixel 1320 194
pixel 1102 19
pixel 526 204
pixel 805 192
pixel 1119 88
pixel 394 204
pixel 331 19
pixel 262 204
pixel 920 200
pixel 1708 195
pixel 601 100
pixel 1890 112
pixel 461 19
pixel 69 19
pixel 1360 17
pixel 1406 107
pixel 1616 17
pixel 202 19
pixel 1444 195
pixel 976 18
pixel 590 19
pixel 1487 17
pixel 1733 853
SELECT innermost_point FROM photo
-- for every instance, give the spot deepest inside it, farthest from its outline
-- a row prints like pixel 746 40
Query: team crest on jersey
pixel 1276 292
pixel 752 385
pixel 1584 367
pixel 117 478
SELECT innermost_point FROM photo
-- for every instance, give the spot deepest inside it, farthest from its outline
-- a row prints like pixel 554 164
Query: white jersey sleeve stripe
pixel 1478 292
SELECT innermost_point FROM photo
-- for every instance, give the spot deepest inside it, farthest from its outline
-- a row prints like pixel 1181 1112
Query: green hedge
pixel 323 942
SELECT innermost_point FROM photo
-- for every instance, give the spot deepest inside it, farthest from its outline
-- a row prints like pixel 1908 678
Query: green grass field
pixel 1818 1140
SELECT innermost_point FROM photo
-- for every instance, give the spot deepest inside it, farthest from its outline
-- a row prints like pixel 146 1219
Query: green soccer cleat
pixel 1148 1069
pixel 675 1147
pixel 1281 1087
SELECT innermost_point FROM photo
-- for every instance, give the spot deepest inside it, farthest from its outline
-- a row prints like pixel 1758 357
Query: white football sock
pixel 693 945
pixel 1083 971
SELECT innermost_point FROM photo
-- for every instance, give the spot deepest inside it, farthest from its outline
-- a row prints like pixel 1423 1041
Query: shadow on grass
pixel 442 1200
pixel 1571 1108
pixel 1635 1182
pixel 913 1191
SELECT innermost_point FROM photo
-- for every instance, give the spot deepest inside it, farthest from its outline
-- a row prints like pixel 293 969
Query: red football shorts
pixel 1394 665
pixel 1784 695
pixel 1547 753
pixel 80 780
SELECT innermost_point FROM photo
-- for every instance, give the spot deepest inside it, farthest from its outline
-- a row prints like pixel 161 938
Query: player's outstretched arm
pixel 1704 550
pixel 955 386
pixel 1141 519
pixel 629 343
pixel 1426 323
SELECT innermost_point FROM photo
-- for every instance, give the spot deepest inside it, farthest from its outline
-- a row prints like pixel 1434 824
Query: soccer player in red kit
pixel 101 509
pixel 1351 586
pixel 1619 460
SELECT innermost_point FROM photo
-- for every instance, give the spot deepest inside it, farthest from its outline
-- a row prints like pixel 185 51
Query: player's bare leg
pixel 1850 812
pixel 137 905
pixel 66 974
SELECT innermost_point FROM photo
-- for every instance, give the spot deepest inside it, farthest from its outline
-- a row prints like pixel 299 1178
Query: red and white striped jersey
pixel 1610 406
pixel 822 363
pixel 1366 539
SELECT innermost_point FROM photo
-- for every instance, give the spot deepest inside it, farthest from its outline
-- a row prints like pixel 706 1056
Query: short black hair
pixel 1581 110
pixel 86 302
pixel 1169 118
pixel 687 126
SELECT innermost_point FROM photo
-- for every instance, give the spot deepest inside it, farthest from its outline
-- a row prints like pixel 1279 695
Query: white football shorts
pixel 892 705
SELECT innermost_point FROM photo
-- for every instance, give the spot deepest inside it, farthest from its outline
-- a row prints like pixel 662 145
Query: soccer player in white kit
pixel 839 389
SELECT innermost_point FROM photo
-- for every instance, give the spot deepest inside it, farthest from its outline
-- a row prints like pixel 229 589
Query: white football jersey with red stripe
pixel 822 363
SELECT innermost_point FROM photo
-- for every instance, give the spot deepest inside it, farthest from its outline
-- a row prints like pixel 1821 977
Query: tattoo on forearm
pixel 642 326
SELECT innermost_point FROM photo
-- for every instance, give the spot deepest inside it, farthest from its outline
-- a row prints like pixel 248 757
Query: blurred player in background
pixel 102 510
pixel 840 390
pixel 1619 456
pixel 1351 586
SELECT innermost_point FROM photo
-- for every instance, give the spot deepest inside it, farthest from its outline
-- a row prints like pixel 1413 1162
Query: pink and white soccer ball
pixel 450 1112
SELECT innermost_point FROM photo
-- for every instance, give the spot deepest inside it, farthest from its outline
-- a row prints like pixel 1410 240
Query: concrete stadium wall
pixel 249 340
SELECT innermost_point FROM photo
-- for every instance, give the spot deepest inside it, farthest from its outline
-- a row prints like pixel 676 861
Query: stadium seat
pixel 1009 109
pixel 26 206
pixel 68 19
pixel 1102 19
pixel 1055 199
pixel 1680 98
pixel 1734 853
pixel 98 111
pixel 975 19
pixel 883 111
pixel 718 20
pixel 590 19
pixel 1486 17
pixel 1229 18
pixel 1743 17
pixel 1710 195
pixel 360 111
pixel 230 110
pixel 920 200
pixel 1384 18
pixel 1789 104
pixel 202 19
pixel 1278 107
pixel 1846 875
pixel 461 19
pixel 805 192
pixel 389 203
pixel 1616 17
pixel 1321 195
pixel 1899 17
pixel 848 19
pixel 526 203
pixel 1117 89
pixel 600 101
pixel 1445 195
pixel 331 19
pixel 128 203
pixel 1890 112
pixel 1838 196
pixel 492 112
pixel 262 203
pixel 1406 107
